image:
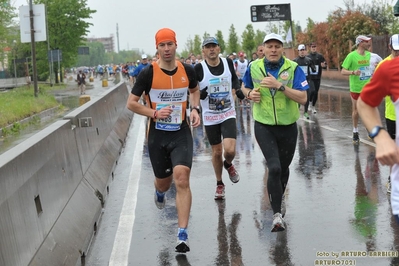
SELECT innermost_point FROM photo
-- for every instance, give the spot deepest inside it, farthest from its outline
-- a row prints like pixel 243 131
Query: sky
pixel 138 21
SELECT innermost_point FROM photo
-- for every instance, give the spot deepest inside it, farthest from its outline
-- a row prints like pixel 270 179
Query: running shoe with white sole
pixel 233 174
pixel 219 194
pixel 278 223
pixel 182 241
pixel 160 199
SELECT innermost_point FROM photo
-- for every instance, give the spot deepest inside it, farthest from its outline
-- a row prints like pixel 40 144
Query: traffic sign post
pixel 55 56
pixel 33 30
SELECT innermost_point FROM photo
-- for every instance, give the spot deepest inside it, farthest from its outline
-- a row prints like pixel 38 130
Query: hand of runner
pixel 195 119
pixel 164 112
pixel 255 95
pixel 270 82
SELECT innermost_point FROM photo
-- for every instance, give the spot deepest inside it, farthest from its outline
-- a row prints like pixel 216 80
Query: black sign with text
pixel 271 13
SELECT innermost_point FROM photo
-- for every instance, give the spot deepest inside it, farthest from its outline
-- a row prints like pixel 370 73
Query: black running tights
pixel 278 147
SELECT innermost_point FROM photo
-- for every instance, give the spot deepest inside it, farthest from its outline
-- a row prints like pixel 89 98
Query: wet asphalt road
pixel 336 202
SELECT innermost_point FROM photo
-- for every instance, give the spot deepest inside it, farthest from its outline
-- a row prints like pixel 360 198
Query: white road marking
pixel 121 247
pixel 366 142
pixel 330 128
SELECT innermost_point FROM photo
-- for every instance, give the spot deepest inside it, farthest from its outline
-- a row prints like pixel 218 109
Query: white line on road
pixel 121 248
pixel 365 142
pixel 330 128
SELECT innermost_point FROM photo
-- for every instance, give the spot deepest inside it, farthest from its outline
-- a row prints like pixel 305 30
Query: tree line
pixel 68 26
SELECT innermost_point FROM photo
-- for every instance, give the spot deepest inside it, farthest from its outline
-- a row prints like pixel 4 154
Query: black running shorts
pixel 227 129
pixel 169 148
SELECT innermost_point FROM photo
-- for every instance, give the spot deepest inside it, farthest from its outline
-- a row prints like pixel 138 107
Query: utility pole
pixel 32 38
pixel 117 35
pixel 15 58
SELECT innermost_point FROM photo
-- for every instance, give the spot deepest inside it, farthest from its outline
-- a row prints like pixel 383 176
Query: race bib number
pixel 172 122
pixel 304 69
pixel 365 73
pixel 219 96
pixel 315 72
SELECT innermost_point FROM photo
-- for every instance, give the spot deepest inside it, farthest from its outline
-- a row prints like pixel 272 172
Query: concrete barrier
pixel 53 185
pixel 13 82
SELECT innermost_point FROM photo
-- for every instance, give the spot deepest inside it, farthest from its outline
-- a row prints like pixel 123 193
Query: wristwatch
pixel 282 88
pixel 374 132
pixel 196 108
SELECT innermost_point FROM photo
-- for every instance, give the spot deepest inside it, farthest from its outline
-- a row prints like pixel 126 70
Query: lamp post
pixel 15 64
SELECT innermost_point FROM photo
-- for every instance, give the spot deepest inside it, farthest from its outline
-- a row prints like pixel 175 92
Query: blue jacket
pixel 138 69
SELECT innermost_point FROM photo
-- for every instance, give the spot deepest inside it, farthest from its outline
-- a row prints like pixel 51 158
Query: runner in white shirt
pixel 218 84
pixel 241 66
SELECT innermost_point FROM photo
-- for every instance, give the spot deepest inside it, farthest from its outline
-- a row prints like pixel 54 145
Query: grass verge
pixel 20 103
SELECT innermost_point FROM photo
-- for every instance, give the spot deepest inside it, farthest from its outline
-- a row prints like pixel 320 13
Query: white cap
pixel 301 47
pixel 138 61
pixel 143 56
pixel 361 38
pixel 394 42
pixel 273 36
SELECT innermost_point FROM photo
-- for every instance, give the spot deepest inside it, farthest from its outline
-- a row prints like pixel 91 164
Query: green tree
pixel 197 45
pixel 189 47
pixel 259 37
pixel 206 35
pixel 309 24
pixel 222 44
pixel 248 39
pixel 232 44
pixel 343 28
pixel 67 28
pixel 381 12
pixel 8 31
pixel 7 25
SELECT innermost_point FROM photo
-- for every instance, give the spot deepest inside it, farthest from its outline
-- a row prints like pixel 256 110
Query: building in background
pixel 108 42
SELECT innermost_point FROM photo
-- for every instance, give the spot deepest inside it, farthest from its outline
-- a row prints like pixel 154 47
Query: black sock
pixel 226 164
pixel 219 183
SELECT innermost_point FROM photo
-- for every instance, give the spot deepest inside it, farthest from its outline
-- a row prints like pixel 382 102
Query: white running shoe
pixel 278 223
